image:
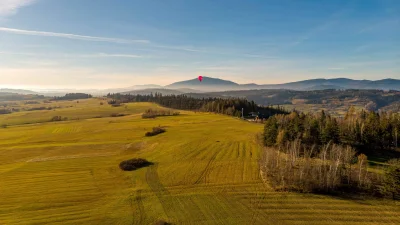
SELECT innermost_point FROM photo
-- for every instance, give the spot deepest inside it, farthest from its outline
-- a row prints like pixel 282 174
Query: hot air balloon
pixel 200 78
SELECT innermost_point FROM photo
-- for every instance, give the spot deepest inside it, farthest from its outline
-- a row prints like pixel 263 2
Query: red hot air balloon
pixel 200 78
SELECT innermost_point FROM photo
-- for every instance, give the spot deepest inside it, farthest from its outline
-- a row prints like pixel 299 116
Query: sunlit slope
pixel 72 110
pixel 205 172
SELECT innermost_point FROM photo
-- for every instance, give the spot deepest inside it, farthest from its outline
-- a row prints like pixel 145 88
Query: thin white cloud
pixel 187 49
pixel 10 7
pixel 18 53
pixel 336 68
pixel 118 55
pixel 379 25
pixel 123 41
pixel 333 19
pixel 97 55
pixel 71 36
pixel 362 48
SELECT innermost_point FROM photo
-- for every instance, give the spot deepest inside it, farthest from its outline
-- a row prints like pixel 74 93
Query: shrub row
pixel 151 113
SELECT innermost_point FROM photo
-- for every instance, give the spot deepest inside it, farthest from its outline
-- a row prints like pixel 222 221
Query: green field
pixel 205 172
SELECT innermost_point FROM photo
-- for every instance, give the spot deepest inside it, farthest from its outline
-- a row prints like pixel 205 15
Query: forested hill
pixel 228 106
pixel 329 100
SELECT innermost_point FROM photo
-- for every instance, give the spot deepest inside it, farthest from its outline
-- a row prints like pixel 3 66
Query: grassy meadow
pixel 205 171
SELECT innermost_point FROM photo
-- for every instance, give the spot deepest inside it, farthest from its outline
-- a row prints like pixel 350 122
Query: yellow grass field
pixel 205 172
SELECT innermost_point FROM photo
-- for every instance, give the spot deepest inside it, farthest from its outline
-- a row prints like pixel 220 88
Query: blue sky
pixel 120 43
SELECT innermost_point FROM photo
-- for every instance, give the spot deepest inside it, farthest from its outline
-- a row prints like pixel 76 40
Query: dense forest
pixel 317 152
pixel 73 96
pixel 361 130
pixel 228 106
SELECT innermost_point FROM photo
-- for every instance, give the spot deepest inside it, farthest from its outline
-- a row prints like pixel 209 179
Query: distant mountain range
pixel 17 91
pixel 210 84
pixel 214 84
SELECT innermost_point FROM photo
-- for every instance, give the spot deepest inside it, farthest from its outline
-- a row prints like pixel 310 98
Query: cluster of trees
pixel 229 106
pixel 361 130
pixel 58 118
pixel 152 113
pixel 155 131
pixel 42 108
pixel 325 168
pixel 328 168
pixel 134 164
pixel 5 111
pixel 73 96
pixel 31 102
pixel 17 97
pixel 316 152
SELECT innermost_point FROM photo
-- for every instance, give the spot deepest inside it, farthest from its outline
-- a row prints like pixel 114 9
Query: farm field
pixel 72 110
pixel 205 171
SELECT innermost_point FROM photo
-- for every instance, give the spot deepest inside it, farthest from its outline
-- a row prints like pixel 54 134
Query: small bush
pixel 31 102
pixel 4 126
pixel 156 131
pixel 133 164
pixel 114 103
pixel 58 118
pixel 117 115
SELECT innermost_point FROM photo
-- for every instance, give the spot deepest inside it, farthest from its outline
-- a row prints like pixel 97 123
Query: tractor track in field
pixel 163 195
pixel 132 210
pixel 206 170
pixel 140 207
pixel 174 207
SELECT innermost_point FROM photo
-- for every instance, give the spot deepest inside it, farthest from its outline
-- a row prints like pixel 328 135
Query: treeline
pixel 361 130
pixel 18 97
pixel 73 96
pixel 5 111
pixel 153 113
pixel 230 106
pixel 328 168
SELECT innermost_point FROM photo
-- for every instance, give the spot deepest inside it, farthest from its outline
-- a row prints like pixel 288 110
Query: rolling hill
pixel 17 91
pixel 205 171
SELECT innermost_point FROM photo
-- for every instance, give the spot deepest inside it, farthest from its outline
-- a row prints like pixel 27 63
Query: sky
pixel 82 44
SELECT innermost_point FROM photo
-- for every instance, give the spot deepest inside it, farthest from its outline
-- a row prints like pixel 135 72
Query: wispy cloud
pixel 147 43
pixel 95 55
pixel 333 19
pixel 187 49
pixel 361 48
pixel 381 24
pixel 71 36
pixel 10 7
pixel 117 55
pixel 336 68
